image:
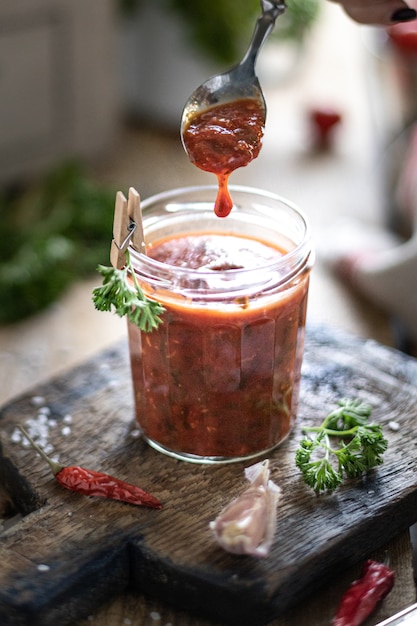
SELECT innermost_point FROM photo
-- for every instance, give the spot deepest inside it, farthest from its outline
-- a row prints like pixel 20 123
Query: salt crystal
pixel 66 431
pixel 394 426
pixel 135 433
pixel 37 400
pixel 16 436
pixel 44 410
pixel 43 568
pixel 155 616
pixel 67 419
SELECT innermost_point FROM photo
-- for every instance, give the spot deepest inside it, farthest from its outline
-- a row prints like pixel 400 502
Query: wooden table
pixel 130 608
pixel 101 555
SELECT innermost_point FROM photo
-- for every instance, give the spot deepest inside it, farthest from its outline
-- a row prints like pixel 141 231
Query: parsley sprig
pixel 346 444
pixel 126 297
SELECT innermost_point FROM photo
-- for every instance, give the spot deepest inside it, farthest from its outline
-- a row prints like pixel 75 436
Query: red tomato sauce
pixel 220 379
pixel 223 138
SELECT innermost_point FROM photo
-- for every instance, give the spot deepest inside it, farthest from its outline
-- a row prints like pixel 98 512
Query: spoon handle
pixel 271 9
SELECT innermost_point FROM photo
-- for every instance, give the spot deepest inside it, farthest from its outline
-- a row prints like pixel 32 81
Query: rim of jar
pixel 280 271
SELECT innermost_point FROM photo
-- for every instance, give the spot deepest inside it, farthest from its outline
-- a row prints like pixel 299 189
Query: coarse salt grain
pixel 43 568
pixel 16 436
pixel 67 419
pixel 37 400
pixel 155 616
pixel 66 431
pixel 44 410
pixel 394 426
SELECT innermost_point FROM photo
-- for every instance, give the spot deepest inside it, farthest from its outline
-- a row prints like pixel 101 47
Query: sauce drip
pixel 223 138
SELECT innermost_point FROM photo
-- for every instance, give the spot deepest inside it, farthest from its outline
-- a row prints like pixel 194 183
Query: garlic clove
pixel 247 524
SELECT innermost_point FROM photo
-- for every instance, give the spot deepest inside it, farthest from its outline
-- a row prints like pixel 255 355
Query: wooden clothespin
pixel 127 227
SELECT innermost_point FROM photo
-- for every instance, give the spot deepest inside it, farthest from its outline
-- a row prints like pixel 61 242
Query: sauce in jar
pixel 223 138
pixel 219 379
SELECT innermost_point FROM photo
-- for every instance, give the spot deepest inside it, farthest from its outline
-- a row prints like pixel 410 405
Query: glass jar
pixel 218 381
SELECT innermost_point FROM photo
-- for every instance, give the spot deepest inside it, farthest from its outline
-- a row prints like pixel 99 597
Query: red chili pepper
pixel 363 595
pixel 91 483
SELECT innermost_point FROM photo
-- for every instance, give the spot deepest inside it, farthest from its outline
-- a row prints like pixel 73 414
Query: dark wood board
pixel 95 548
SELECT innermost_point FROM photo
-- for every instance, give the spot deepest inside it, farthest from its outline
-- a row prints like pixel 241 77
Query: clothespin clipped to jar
pixel 127 227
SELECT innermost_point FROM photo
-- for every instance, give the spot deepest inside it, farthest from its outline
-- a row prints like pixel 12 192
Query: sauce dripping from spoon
pixel 223 138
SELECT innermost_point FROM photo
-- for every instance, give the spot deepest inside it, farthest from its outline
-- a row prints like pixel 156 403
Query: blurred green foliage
pixel 297 20
pixel 221 29
pixel 51 234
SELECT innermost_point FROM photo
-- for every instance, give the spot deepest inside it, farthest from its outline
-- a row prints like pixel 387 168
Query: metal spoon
pixel 241 81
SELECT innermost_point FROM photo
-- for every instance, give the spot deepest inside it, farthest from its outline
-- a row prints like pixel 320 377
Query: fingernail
pixel 403 15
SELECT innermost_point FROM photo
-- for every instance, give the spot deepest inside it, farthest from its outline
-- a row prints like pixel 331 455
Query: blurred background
pixel 91 95
pixel 91 101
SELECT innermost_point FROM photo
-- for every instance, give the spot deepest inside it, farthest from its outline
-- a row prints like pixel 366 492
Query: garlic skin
pixel 247 524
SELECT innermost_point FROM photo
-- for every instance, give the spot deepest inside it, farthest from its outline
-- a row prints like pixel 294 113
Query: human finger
pixel 382 12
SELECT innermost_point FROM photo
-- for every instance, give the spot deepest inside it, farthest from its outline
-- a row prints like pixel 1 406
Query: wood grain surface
pixel 317 610
pixel 95 549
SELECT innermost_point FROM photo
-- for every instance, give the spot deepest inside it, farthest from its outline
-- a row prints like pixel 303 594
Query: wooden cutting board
pixel 94 548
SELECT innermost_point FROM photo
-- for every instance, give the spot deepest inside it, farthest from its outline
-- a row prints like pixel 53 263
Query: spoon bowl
pixel 241 81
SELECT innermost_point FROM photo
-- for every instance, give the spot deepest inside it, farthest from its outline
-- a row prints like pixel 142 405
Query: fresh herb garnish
pixel 126 297
pixel 346 444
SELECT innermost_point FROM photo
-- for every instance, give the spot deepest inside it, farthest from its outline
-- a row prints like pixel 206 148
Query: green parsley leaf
pixel 121 293
pixel 346 444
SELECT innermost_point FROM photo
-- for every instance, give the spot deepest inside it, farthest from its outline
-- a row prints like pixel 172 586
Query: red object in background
pixel 323 121
pixel 404 36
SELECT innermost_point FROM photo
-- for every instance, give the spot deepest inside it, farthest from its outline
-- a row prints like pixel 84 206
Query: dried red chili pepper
pixel 363 595
pixel 91 483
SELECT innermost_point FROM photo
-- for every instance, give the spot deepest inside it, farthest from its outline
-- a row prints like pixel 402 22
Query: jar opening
pixel 257 216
